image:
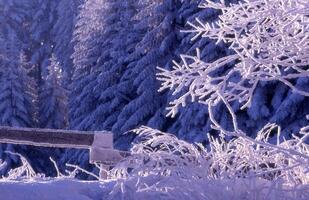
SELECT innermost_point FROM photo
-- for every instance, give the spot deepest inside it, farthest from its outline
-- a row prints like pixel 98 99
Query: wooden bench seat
pixel 100 143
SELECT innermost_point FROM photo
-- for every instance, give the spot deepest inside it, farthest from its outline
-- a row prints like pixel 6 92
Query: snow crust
pixel 64 189
pixel 156 188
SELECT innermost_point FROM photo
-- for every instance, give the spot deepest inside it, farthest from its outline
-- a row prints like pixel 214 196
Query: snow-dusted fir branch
pixel 270 40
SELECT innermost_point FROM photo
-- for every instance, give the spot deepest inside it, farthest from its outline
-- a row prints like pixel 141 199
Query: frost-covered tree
pixel 17 89
pixel 160 38
pixel 53 112
pixel 120 38
pixel 18 95
pixel 62 33
pixel 14 17
pixel 87 39
pixel 157 20
pixel 42 21
pixel 192 121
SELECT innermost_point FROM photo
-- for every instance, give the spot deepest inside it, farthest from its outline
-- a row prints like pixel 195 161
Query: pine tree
pixel 123 54
pixel 15 17
pixel 87 39
pixel 293 108
pixel 16 86
pixel 53 112
pixel 30 21
pixel 42 21
pixel 120 38
pixel 62 33
pixel 157 19
pixel 17 94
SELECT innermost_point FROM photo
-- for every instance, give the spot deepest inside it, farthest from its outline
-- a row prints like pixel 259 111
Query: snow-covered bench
pixel 100 143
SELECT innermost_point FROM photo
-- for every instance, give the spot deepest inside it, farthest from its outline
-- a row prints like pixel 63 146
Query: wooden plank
pixel 107 157
pixel 105 140
pixel 47 137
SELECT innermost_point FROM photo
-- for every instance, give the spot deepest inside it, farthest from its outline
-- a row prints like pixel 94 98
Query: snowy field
pixel 69 189
pixel 62 189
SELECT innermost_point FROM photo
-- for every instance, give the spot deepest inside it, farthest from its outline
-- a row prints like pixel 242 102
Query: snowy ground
pixel 61 189
pixel 164 189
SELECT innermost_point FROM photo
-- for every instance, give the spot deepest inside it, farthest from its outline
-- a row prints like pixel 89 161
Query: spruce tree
pixel 87 39
pixel 157 20
pixel 53 112
pixel 17 89
pixel 15 17
pixel 120 38
pixel 17 95
pixel 42 21
pixel 62 33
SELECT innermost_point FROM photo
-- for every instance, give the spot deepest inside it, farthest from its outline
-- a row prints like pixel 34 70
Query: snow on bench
pixel 100 143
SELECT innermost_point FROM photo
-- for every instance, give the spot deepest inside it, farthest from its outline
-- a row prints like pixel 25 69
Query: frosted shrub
pixel 242 158
pixel 165 167
pixel 25 171
pixel 160 153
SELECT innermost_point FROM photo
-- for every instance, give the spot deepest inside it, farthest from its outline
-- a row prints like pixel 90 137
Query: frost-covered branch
pixel 161 164
pixel 160 153
pixel 25 171
pixel 270 40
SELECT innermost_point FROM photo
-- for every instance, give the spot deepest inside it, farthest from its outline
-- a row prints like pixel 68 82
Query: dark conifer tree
pixel 17 94
pixel 53 112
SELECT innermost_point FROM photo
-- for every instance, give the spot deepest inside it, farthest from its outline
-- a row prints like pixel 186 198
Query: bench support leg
pixel 103 171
